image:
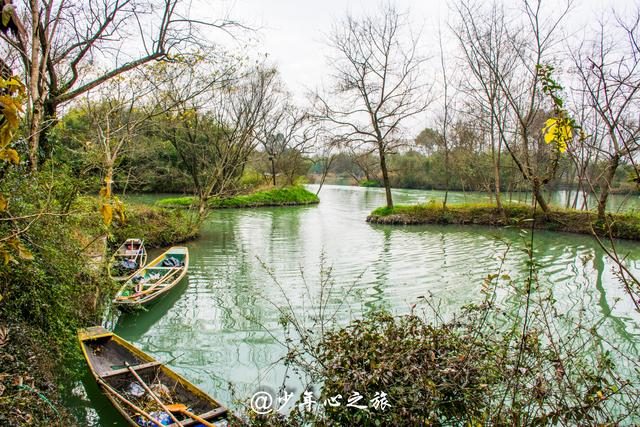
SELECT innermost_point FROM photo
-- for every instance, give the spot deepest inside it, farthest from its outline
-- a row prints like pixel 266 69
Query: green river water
pixel 203 325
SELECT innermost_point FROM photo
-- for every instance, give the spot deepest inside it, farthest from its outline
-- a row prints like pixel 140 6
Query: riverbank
pixel 29 378
pixel 287 196
pixel 158 227
pixel 46 299
pixel 623 226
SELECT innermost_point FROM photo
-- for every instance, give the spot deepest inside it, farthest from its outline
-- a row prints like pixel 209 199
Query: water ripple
pixel 219 322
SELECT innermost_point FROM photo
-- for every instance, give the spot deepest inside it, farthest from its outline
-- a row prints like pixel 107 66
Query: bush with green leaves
pixel 511 359
pixel 52 290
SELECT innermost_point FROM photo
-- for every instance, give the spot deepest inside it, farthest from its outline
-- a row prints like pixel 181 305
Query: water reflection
pixel 212 327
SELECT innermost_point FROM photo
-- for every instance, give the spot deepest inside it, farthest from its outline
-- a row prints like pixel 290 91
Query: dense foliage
pixel 470 171
pixel 513 358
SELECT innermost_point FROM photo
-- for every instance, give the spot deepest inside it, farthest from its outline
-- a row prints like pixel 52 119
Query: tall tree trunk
pixel 49 121
pixel 495 157
pixel 605 186
pixel 108 179
pixel 34 138
pixel 202 207
pixel 537 192
pixel 273 170
pixel 385 176
pixel 496 181
pixel 447 176
pixel 34 89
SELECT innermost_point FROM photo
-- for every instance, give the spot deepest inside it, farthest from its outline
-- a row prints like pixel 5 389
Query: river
pixel 216 326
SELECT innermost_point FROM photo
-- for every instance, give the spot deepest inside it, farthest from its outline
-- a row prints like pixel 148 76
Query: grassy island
pixel 622 225
pixel 287 196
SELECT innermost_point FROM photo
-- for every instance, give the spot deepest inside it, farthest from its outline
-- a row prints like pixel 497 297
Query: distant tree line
pixel 422 166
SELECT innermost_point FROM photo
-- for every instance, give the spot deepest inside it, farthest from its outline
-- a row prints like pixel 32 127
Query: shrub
pixel 158 227
pixel 524 363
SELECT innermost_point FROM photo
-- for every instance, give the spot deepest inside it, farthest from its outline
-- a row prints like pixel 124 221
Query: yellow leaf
pixel 107 213
pixel 549 130
pixel 7 12
pixel 118 207
pixel 6 256
pixel 10 155
pixel 24 253
pixel 13 243
pixel 4 203
pixel 558 130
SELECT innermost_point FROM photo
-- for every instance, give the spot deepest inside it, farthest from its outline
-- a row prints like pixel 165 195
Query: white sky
pixel 292 32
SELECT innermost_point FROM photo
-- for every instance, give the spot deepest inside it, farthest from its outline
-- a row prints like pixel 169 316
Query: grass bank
pixel 288 196
pixel 44 300
pixel 623 226
pixel 158 227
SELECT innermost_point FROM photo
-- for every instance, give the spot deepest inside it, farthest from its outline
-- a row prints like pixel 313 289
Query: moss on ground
pixel 623 225
pixel 158 227
pixel 287 196
pixel 45 300
pixel 29 376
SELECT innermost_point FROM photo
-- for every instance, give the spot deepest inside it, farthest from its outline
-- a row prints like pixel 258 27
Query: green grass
pixel 158 227
pixel 370 183
pixel 624 226
pixel 287 196
pixel 176 202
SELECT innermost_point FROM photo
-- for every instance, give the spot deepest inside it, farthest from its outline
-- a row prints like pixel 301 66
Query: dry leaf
pixel 4 336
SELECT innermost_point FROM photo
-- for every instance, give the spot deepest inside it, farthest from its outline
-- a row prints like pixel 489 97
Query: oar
pixel 153 287
pixel 131 404
pixel 182 408
pixel 152 394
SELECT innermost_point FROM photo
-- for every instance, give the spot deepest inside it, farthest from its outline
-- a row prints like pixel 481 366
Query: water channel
pixel 216 326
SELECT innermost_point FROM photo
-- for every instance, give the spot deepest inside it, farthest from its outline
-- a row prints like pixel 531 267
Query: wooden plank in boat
pixel 207 416
pixel 139 367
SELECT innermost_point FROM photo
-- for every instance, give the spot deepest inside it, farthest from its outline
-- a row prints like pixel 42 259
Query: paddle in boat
pixel 129 258
pixel 155 279
pixel 145 391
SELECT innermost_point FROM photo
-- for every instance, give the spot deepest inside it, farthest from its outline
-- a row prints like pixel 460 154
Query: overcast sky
pixel 293 32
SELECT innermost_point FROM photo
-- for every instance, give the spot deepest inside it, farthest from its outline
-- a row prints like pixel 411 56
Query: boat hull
pixel 139 255
pixel 176 275
pixel 103 349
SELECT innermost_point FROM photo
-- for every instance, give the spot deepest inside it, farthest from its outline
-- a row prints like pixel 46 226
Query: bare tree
pixel 529 43
pixel 69 47
pixel 286 134
pixel 116 116
pixel 215 138
pixel 325 156
pixel 377 83
pixel 608 69
pixel 445 122
pixel 484 100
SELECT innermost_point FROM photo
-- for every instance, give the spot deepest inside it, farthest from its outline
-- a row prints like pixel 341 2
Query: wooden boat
pixel 130 378
pixel 155 279
pixel 129 258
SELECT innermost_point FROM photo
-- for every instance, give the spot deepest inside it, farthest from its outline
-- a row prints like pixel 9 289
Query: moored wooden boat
pixel 129 258
pixel 155 279
pixel 112 360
